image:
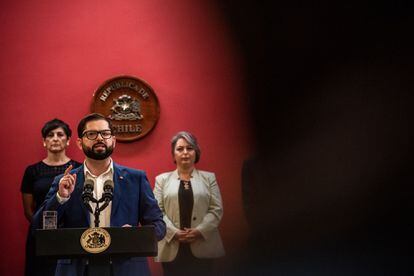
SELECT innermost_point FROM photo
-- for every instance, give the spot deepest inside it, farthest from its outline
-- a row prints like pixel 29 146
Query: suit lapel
pixel 172 206
pixel 196 185
pixel 80 179
pixel 174 186
pixel 119 179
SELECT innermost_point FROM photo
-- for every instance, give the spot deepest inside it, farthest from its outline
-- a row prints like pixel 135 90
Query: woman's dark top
pixel 37 180
pixel 39 177
pixel 186 202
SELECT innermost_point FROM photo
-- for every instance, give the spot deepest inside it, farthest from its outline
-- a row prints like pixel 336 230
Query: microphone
pixel 108 190
pixel 107 195
pixel 87 194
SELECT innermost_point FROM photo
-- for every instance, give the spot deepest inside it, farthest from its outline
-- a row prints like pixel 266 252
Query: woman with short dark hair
pixel 37 180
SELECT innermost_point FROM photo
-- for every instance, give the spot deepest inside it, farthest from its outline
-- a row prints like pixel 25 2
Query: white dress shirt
pixel 105 215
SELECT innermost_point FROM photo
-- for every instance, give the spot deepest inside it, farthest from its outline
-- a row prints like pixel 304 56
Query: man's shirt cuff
pixel 60 199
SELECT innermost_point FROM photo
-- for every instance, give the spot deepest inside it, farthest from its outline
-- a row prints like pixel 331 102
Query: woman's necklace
pixel 186 184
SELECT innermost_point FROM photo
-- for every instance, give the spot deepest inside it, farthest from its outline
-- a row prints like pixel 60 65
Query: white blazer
pixel 206 216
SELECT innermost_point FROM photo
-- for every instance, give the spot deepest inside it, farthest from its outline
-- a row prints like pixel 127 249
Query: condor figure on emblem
pixel 191 202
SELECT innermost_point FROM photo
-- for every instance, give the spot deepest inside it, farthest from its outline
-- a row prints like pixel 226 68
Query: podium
pixel 64 243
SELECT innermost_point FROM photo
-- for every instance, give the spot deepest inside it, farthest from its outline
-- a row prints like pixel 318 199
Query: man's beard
pixel 89 152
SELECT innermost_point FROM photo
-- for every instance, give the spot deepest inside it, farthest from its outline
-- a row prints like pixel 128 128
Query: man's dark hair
pixel 89 118
pixel 54 124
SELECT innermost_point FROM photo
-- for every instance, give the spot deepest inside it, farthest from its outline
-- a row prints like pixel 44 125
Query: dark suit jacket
pixel 133 203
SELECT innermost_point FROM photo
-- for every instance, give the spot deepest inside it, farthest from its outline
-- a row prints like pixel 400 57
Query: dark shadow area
pixel 330 189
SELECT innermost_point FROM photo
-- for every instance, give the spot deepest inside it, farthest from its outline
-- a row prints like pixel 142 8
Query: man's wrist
pixel 61 199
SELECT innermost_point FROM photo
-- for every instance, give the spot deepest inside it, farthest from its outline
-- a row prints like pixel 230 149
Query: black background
pixel 329 190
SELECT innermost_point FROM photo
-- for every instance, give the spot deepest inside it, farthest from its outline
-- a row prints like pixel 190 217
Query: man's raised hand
pixel 67 183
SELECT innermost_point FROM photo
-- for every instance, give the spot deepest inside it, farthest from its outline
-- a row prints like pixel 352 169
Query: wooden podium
pixel 64 243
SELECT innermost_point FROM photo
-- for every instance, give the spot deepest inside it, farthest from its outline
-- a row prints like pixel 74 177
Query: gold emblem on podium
pixel 95 240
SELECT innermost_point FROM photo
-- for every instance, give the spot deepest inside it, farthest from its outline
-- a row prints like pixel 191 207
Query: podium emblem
pixel 95 240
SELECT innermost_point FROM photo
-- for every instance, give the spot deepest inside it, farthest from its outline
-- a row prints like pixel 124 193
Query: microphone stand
pixel 97 213
pixel 105 197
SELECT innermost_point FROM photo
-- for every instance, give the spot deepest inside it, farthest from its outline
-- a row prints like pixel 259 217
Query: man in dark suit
pixel 133 201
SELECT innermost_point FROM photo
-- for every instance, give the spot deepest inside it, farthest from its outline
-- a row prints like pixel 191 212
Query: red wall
pixel 54 54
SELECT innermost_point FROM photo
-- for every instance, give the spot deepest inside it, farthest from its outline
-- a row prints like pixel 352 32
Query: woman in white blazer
pixel 191 202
